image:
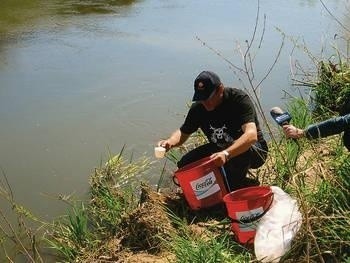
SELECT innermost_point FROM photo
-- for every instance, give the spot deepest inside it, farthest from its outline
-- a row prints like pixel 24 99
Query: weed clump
pixel 148 226
pixel 332 90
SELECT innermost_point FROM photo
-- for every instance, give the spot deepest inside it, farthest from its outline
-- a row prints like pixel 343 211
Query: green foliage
pixel 285 152
pixel 192 248
pixel 333 87
pixel 300 111
pixel 316 173
pixel 120 171
pixel 342 193
pixel 20 229
pixel 109 201
pixel 211 249
pixel 108 206
pixel 78 225
pixel 214 244
pixel 113 194
pixel 331 202
pixel 71 233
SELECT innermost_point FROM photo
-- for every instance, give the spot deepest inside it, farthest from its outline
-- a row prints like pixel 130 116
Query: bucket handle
pixel 175 182
pixel 246 221
pixel 225 178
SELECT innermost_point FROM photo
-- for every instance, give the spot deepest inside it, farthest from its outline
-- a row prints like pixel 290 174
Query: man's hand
pixel 176 139
pixel 292 132
pixel 165 144
pixel 219 158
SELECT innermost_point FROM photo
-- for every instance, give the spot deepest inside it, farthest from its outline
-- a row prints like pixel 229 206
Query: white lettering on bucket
pixel 205 186
pixel 248 216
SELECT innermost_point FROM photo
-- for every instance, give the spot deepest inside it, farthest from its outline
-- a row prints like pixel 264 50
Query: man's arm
pixel 176 139
pixel 322 129
pixel 241 145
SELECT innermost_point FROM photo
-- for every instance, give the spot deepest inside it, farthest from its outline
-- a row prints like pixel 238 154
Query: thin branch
pixel 336 19
pixel 10 193
pixel 273 64
pixel 255 28
pixel 17 238
pixel 251 66
pixel 219 54
pixel 263 33
pixel 303 83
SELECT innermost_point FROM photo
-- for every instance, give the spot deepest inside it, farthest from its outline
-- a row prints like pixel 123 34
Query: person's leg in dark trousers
pixel 258 154
pixel 236 170
pixel 237 167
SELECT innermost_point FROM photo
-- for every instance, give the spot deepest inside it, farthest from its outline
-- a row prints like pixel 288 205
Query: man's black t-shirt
pixel 222 126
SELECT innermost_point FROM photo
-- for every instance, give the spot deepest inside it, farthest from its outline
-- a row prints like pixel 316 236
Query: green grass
pixel 212 250
pixel 71 233
pixel 211 244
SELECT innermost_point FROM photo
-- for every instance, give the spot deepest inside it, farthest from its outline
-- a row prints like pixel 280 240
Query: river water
pixel 80 79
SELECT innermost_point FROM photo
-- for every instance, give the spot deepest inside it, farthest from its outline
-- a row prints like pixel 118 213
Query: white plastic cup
pixel 159 152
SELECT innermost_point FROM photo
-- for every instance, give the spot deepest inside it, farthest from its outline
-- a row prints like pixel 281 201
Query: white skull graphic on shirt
pixel 219 134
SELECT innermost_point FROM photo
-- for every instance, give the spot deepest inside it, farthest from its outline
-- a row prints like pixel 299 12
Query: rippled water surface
pixel 81 78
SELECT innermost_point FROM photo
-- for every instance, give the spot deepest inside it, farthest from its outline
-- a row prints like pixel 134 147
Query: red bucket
pixel 202 183
pixel 245 207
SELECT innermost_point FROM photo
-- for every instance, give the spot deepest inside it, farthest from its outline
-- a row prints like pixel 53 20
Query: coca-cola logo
pixel 249 218
pixel 208 182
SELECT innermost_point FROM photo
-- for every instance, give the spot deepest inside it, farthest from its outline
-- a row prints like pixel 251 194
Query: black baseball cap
pixel 205 84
